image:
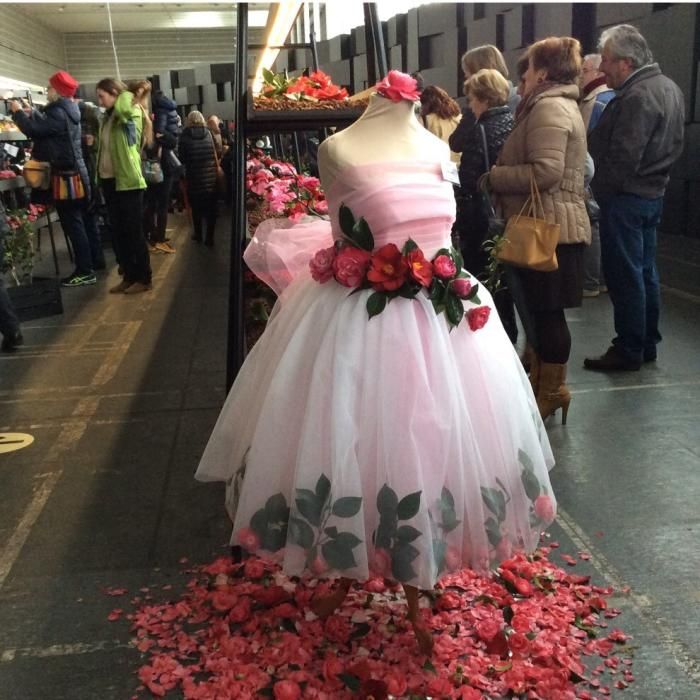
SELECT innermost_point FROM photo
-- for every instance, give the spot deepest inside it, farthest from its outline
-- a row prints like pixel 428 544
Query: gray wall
pixel 29 51
pixel 90 56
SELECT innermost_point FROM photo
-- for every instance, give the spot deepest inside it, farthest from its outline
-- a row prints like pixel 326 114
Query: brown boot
pixel 531 365
pixel 552 392
pixel 120 288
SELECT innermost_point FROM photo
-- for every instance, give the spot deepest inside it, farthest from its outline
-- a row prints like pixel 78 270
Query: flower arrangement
pixel 19 244
pixel 282 191
pixel 315 91
pixel 392 272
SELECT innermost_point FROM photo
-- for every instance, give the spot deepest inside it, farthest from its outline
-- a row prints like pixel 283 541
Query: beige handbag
pixel 37 174
pixel 529 241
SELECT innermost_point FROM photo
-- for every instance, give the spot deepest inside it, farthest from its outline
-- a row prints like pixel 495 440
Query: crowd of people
pixel 129 158
pixel 597 136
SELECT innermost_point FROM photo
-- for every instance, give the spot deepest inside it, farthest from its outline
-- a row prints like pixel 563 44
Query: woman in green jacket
pixel 119 172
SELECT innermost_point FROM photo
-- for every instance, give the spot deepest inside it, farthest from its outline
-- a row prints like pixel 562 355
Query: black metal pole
pixel 312 38
pixel 372 76
pixel 236 327
pixel 377 66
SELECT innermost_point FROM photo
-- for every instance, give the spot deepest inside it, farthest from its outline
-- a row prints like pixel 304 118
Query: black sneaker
pixel 11 342
pixel 78 279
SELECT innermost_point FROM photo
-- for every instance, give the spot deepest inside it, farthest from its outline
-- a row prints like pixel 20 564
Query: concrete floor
pixel 120 394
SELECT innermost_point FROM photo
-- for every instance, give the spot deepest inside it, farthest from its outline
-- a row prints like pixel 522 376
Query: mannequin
pixel 386 132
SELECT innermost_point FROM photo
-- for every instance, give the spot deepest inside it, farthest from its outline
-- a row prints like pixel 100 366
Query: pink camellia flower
pixel 544 508
pixel 241 611
pixel 332 666
pixel 321 265
pixel 444 267
pixel 286 690
pixel 248 539
pixel 487 629
pixel 396 683
pixel 523 587
pixel 398 86
pixel 254 568
pixel 462 287
pixel 337 629
pixel 321 206
pixel 449 601
pixel 519 643
pixel 439 688
pixel 478 316
pixel 223 600
pixel 468 693
pixel 350 266
pixel 521 624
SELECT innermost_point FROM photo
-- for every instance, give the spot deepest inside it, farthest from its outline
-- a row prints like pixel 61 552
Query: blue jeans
pixel 72 214
pixel 628 246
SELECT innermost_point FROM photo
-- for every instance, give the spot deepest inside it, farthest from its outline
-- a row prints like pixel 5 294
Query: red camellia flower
pixel 321 265
pixel 478 316
pixel 487 629
pixel 421 269
pixel 398 86
pixel 523 587
pixel 254 568
pixel 544 508
pixel 286 690
pixel 448 601
pixel 248 539
pixel 388 269
pixel 373 690
pixel 337 629
pixel 521 624
pixel 462 287
pixel 518 643
pixel 444 267
pixel 350 266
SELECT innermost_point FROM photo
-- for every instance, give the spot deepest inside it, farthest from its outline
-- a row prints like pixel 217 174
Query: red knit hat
pixel 63 83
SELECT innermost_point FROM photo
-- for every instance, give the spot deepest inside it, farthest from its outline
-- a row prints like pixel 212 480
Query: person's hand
pixel 15 106
pixel 159 136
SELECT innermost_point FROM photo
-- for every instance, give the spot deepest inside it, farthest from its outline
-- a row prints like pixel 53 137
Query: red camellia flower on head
pixel 544 508
pixel 398 86
pixel 444 267
pixel 462 287
pixel 321 265
pixel 350 266
pixel 478 317
pixel 421 269
pixel 388 269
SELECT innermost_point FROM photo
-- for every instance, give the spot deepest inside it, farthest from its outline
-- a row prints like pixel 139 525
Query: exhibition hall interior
pixel 349 350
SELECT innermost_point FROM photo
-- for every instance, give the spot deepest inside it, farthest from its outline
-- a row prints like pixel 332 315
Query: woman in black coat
pixel 198 155
pixel 487 92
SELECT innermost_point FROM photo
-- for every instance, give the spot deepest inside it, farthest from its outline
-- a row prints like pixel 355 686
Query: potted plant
pixel 33 297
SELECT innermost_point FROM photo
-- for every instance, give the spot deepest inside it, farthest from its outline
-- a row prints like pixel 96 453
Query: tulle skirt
pixel 387 446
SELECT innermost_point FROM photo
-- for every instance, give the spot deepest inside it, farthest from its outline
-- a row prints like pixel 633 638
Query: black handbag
pixel 496 224
pixel 171 163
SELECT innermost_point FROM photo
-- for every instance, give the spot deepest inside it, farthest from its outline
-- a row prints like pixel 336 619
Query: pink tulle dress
pixel 387 446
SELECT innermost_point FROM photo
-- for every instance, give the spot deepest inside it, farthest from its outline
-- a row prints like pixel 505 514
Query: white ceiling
pixel 71 17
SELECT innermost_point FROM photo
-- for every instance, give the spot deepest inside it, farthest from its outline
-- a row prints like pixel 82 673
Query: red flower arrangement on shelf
pixel 282 191
pixel 244 631
pixel 392 272
pixel 313 91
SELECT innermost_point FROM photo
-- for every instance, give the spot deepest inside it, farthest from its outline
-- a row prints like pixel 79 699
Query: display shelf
pixel 265 121
pixel 15 183
pixel 12 136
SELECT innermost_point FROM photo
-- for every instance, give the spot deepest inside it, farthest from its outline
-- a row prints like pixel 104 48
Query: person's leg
pixel 506 312
pixel 622 245
pixel 149 214
pixel 197 208
pixel 591 263
pixel 136 259
pixel 210 216
pixel 92 231
pixel 113 214
pixel 70 214
pixel 651 280
pixel 162 199
pixel 554 348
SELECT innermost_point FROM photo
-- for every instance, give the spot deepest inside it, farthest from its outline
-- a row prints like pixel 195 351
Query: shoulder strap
pixel 485 146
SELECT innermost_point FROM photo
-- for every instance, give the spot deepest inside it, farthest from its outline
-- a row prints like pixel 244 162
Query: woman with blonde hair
pixel 198 155
pixel 440 114
pixel 123 185
pixel 548 146
pixel 215 131
pixel 141 89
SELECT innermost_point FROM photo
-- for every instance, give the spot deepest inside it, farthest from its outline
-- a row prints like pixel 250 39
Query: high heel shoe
pixel 552 392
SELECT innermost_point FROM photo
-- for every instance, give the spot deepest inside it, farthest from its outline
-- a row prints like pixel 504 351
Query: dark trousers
pixel 9 323
pixel 92 230
pixel 628 246
pixel 471 226
pixel 204 210
pixel 72 214
pixel 126 218
pixel 155 213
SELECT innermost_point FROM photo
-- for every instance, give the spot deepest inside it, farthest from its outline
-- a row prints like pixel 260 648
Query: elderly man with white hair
pixel 636 141
pixel 595 93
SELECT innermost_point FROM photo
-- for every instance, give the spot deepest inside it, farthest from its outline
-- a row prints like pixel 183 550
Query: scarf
pixel 593 85
pixel 528 100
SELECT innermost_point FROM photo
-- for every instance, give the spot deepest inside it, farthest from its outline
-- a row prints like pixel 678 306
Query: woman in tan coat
pixel 549 144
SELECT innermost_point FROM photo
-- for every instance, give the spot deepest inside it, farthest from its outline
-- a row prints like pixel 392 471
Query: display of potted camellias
pixel 32 297
pixel 315 91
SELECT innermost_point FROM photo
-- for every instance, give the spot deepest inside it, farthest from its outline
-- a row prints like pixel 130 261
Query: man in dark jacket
pixel 59 128
pixel 636 141
pixel 9 323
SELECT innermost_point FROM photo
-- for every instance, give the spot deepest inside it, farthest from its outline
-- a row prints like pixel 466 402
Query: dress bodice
pixel 399 200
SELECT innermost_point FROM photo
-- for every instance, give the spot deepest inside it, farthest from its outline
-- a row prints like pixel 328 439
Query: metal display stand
pixel 251 122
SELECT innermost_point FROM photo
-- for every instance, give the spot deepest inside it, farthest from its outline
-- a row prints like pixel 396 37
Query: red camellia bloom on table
pixel 321 265
pixel 337 629
pixel 544 508
pixel 286 690
pixel 523 587
pixel 521 624
pixel 248 539
pixel 444 267
pixel 396 683
pixel 519 643
pixel 477 317
pixel 462 287
pixel 254 568
pixel 350 266
pixel 398 86
pixel 332 666
pixel 421 269
pixel 388 269
pixel 487 629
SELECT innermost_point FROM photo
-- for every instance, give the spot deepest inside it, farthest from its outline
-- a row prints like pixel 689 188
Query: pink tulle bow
pixel 398 86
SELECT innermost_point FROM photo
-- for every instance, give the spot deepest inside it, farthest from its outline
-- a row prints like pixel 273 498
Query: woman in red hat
pixel 56 133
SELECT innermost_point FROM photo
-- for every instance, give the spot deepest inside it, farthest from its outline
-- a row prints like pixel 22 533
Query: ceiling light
pixel 286 14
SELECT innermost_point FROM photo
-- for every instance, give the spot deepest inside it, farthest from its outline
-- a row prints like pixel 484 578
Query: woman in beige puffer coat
pixel 548 143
